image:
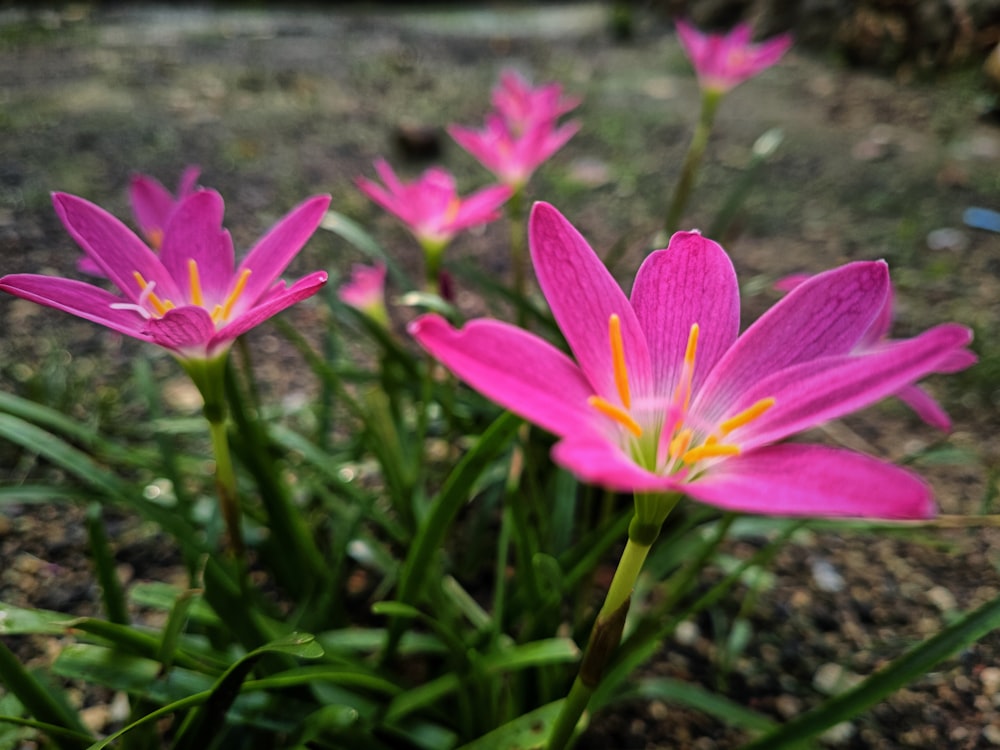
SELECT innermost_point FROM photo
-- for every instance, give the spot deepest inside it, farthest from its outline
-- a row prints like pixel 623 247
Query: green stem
pixel 518 248
pixel 225 483
pixel 651 511
pixel 689 171
pixel 433 253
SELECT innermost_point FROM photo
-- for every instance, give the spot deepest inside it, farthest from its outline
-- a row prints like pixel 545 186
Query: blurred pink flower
pixel 877 337
pixel 365 291
pixel 188 298
pixel 521 132
pixel 430 206
pixel 152 207
pixel 723 61
pixel 665 395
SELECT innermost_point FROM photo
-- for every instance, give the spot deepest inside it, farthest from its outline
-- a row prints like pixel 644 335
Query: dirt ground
pixel 277 106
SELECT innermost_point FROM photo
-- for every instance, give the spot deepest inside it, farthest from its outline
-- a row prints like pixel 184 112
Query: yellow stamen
pixel 155 301
pixel 227 307
pixel 155 237
pixel 195 281
pixel 618 359
pixel 451 212
pixel 680 443
pixel 616 413
pixel 710 451
pixel 745 416
pixel 683 392
pixel 217 313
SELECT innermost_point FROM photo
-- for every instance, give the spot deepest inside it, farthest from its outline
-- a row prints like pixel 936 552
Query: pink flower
pixel 430 206
pixel 366 291
pixel 189 298
pixel 152 206
pixel 877 336
pixel 521 133
pixel 665 396
pixel 723 61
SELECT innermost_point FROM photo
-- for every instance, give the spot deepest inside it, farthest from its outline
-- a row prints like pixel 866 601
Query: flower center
pixel 667 440
pixel 151 305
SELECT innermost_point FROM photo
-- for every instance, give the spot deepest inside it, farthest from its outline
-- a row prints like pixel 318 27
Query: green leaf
pixel 681 693
pixel 18 621
pixel 907 668
pixel 527 732
pixel 355 234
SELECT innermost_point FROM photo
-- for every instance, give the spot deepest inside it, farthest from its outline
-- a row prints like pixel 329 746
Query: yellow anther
pixel 217 313
pixel 682 395
pixel 616 413
pixel 746 416
pixel 680 443
pixel 618 359
pixel 227 307
pixel 158 305
pixel 451 212
pixel 155 238
pixel 710 451
pixel 195 282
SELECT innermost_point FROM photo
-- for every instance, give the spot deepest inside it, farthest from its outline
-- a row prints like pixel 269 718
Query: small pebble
pixel 947 238
pixel 942 598
pixel 686 633
pixel 838 734
pixel 991 733
pixel 832 678
pixel 990 677
pixel 826 577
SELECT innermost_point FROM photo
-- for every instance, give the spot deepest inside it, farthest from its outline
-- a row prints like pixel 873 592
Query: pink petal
pixel 113 246
pixel 195 233
pixel 151 203
pixel 188 181
pixel 269 305
pixel 481 207
pixel 77 298
pixel 825 315
pixel 825 389
pixel 518 370
pixel 692 281
pixel 583 295
pixel 925 407
pixel 276 249
pixel 813 480
pixel 603 463
pixel 182 328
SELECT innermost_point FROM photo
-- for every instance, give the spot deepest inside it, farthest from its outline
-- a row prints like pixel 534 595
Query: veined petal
pixel 925 407
pixel 583 295
pixel 195 233
pixel 818 391
pixel 813 480
pixel 692 281
pixel 270 304
pixel 77 298
pixel 518 370
pixel 824 316
pixel 182 328
pixel 113 246
pixel 276 249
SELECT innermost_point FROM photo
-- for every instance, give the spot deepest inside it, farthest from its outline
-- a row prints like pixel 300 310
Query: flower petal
pixel 195 233
pixel 603 463
pixel 813 480
pixel 151 204
pixel 183 328
pixel 925 407
pixel 518 370
pixel 824 389
pixel 276 249
pixel 113 247
pixel 692 281
pixel 583 295
pixel 826 315
pixel 269 305
pixel 77 298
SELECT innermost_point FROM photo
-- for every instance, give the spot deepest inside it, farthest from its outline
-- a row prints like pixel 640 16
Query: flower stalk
pixel 710 99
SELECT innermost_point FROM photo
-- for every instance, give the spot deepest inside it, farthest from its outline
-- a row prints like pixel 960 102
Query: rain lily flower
pixel 521 133
pixel 723 61
pixel 431 208
pixel 188 298
pixel 664 397
pixel 430 205
pixel 877 336
pixel 152 206
pixel 365 291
